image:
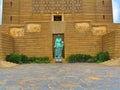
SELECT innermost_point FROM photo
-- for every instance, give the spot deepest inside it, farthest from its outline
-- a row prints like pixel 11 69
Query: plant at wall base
pixel 23 59
pixel 43 60
pixel 33 59
pixel 74 58
pixel 71 58
pixel 102 56
pixel 15 58
pixel 91 60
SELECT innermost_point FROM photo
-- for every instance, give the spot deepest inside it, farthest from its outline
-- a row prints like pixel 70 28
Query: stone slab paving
pixel 78 76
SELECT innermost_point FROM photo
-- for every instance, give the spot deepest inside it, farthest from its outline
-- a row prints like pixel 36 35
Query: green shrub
pixel 102 56
pixel 42 60
pixel 24 58
pixel 91 60
pixel 15 58
pixel 21 58
pixel 73 58
pixel 86 58
pixel 33 59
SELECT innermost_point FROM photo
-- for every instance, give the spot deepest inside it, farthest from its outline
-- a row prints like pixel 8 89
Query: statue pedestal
pixel 58 60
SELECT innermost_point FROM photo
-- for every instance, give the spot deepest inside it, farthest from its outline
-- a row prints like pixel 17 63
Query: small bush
pixel 24 58
pixel 91 60
pixel 78 58
pixel 102 56
pixel 21 58
pixel 42 60
pixel 39 60
pixel 15 58
pixel 71 58
pixel 33 59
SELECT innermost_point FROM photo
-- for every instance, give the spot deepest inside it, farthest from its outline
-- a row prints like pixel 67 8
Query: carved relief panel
pixel 33 28
pixel 17 32
pixel 82 26
pixel 100 30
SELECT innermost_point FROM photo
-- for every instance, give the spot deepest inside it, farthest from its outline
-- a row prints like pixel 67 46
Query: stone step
pixel 54 61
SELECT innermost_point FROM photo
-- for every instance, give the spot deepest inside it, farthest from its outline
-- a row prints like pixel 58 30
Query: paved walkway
pixel 81 76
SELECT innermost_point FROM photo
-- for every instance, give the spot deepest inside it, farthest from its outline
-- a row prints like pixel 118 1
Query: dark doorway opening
pixel 54 38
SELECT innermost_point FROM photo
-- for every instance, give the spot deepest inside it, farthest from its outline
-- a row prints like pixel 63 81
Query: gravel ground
pixel 78 76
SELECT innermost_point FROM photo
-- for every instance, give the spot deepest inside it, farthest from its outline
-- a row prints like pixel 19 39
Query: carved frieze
pixel 33 28
pixel 82 26
pixel 17 32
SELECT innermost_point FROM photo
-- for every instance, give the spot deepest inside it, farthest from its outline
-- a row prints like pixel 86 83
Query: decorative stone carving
pixel 53 6
pixel 82 26
pixel 17 32
pixel 33 28
pixel 100 30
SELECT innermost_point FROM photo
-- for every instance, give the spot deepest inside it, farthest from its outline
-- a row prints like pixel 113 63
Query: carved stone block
pixel 34 28
pixel 17 32
pixel 100 30
pixel 82 26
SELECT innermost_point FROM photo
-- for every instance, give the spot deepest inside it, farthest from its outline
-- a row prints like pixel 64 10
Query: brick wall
pixel 1 55
pixel 117 43
pixel 4 29
pixel 40 43
pixel 6 45
pixel 35 43
pixel 21 11
pixel 81 42
pixel 109 43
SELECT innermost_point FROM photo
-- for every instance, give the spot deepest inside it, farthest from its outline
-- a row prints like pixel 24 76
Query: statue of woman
pixel 58 47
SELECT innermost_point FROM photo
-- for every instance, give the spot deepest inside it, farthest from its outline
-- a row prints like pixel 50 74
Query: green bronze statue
pixel 58 47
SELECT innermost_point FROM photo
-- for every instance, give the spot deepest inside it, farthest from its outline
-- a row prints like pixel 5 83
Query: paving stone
pixel 78 88
pixel 13 88
pixel 78 76
pixel 2 88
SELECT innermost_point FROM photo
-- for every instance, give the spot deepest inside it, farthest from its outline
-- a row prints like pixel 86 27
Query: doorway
pixel 54 38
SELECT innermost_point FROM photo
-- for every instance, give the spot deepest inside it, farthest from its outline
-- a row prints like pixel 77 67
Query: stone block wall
pixel 111 43
pixel 19 11
pixel 36 39
pixel 108 41
pixel 35 43
pixel 6 45
pixel 117 43
pixel 1 54
pixel 78 38
pixel 83 42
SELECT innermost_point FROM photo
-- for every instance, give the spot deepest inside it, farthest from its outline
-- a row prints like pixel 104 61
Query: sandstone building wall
pixel 35 43
pixel 79 37
pixel 86 26
pixel 82 41
pixel 6 45
pixel 109 43
pixel 117 43
pixel 19 11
